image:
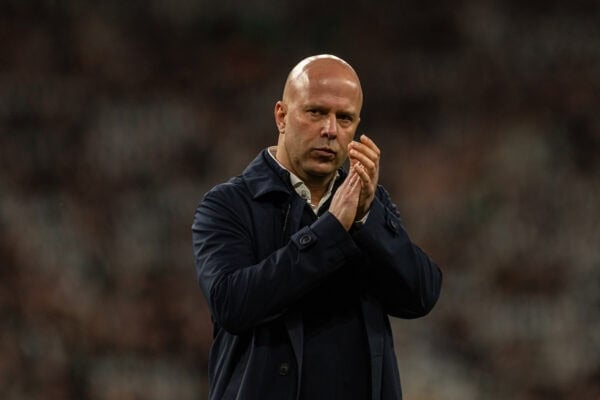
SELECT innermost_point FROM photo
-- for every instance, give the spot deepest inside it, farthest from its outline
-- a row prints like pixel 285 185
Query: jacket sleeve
pixel 243 291
pixel 402 276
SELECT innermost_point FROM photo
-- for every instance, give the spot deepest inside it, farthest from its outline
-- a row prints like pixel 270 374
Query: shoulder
pixel 225 204
pixel 381 193
pixel 386 200
pixel 234 188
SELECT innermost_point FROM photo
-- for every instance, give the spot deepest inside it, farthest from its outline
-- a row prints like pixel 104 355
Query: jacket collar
pixel 264 175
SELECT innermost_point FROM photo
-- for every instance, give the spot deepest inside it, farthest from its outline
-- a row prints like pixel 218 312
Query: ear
pixel 280 114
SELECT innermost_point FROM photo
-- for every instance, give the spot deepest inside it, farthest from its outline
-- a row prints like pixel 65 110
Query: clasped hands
pixel 353 199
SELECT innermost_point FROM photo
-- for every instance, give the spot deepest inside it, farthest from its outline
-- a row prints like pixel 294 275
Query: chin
pixel 323 171
pixel 319 168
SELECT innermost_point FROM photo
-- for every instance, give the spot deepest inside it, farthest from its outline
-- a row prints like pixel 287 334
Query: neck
pixel 318 186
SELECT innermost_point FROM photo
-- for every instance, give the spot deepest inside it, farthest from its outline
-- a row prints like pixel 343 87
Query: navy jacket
pixel 255 261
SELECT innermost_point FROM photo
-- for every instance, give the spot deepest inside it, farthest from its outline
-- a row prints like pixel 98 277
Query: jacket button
pixel 393 224
pixel 304 240
pixel 284 369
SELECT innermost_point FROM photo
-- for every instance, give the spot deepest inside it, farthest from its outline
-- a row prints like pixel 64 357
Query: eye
pixel 345 118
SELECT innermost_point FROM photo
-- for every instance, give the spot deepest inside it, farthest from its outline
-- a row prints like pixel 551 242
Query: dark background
pixel 116 117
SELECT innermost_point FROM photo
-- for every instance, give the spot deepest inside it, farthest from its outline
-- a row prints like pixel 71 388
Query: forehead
pixel 332 90
pixel 328 85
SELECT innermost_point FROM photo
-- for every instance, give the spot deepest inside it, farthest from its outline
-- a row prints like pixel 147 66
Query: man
pixel 301 263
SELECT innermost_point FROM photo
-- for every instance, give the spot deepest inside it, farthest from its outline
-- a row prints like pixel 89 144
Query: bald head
pixel 320 69
pixel 317 118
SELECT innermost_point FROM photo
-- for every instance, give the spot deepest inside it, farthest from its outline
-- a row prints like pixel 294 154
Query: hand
pixel 345 200
pixel 364 157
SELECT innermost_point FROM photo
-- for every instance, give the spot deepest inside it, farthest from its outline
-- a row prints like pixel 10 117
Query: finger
pixel 354 179
pixel 364 143
pixel 367 141
pixel 368 149
pixel 363 174
pixel 367 164
pixel 371 152
pixel 351 174
pixel 355 188
pixel 360 157
pixel 349 181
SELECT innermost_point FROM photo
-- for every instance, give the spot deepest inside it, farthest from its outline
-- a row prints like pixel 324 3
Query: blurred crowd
pixel 116 117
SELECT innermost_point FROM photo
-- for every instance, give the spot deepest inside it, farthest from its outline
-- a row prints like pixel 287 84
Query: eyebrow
pixel 320 107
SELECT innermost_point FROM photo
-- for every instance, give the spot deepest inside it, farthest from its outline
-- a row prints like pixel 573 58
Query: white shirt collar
pixel 301 188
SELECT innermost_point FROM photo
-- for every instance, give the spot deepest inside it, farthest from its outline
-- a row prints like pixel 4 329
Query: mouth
pixel 324 152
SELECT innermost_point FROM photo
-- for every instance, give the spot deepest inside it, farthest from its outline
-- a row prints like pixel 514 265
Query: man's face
pixel 319 118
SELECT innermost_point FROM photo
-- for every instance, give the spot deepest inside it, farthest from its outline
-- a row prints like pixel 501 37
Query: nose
pixel 330 127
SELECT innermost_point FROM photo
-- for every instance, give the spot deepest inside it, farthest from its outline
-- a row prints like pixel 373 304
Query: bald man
pixel 302 262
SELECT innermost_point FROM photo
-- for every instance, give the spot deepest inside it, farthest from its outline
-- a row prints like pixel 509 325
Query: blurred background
pixel 116 117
